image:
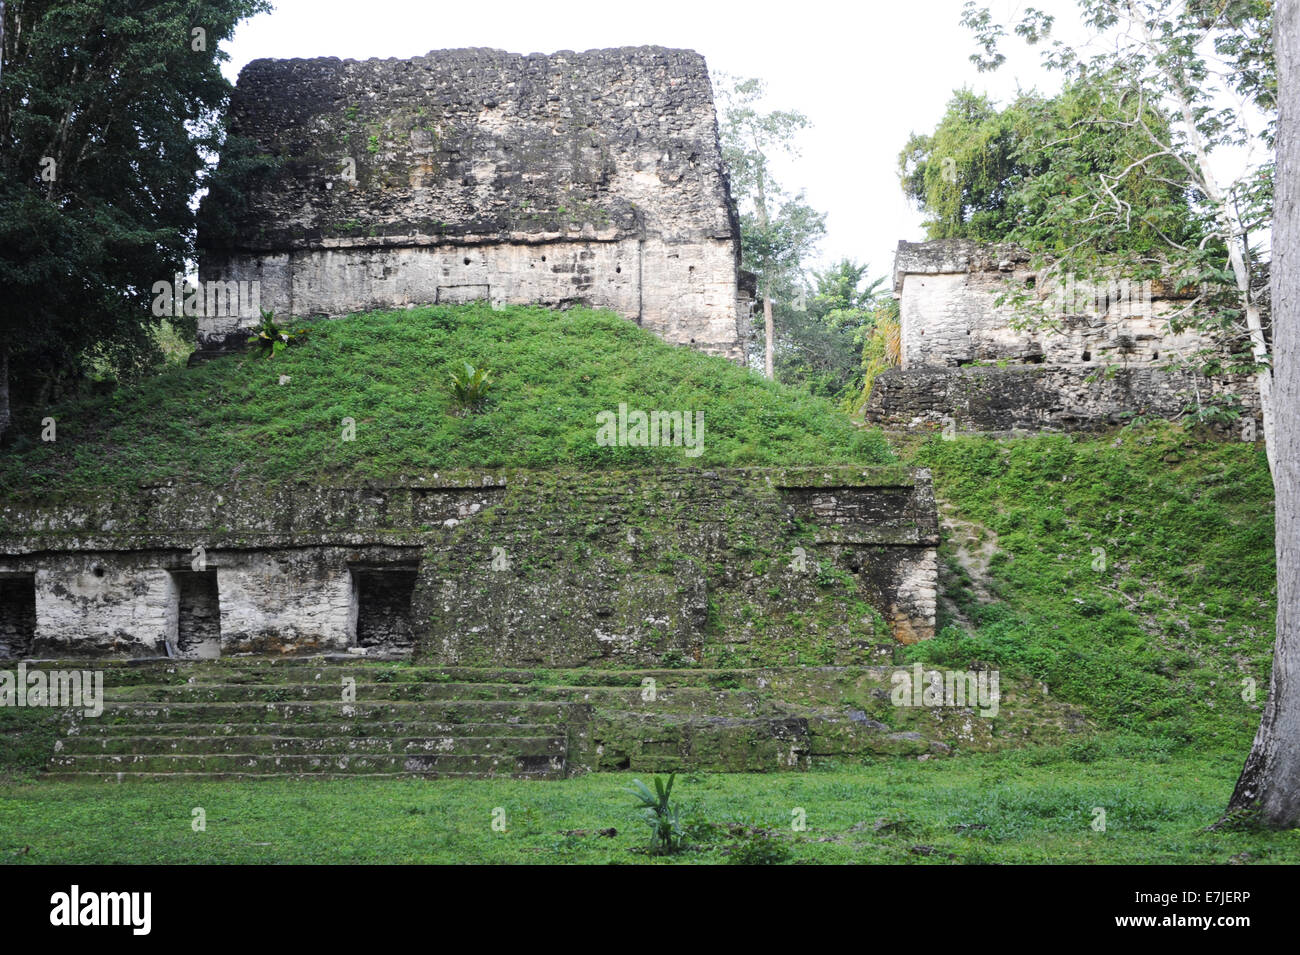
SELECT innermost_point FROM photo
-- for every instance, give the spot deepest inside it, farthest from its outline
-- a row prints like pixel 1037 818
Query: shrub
pixel 667 836
pixel 270 338
pixel 469 390
pixel 758 847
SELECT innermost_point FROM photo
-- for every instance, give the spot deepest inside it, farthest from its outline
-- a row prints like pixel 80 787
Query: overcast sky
pixel 866 73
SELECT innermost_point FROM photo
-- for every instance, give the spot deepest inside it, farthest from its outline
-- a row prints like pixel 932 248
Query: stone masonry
pixel 968 362
pixel 589 178
pixel 482 568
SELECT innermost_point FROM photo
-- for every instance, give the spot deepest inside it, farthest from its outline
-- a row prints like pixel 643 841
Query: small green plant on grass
pixel 470 387
pixel 756 846
pixel 667 837
pixel 270 338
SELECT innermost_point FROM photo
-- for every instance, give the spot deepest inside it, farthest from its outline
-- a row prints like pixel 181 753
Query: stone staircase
pixel 251 718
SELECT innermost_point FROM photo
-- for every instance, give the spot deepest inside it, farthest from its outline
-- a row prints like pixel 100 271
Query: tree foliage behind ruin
pixel 1050 173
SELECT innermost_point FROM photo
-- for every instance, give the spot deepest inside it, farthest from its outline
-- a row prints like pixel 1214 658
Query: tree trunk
pixel 6 416
pixel 1268 792
pixel 769 329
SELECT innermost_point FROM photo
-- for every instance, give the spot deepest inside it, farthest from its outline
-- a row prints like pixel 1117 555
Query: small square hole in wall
pixel 198 618
pixel 17 614
pixel 382 594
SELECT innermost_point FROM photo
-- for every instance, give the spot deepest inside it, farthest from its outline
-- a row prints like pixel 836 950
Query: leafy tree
pixel 1167 83
pixel 843 296
pixel 778 229
pixel 821 328
pixel 961 173
pixel 1047 172
pixel 810 354
pixel 110 114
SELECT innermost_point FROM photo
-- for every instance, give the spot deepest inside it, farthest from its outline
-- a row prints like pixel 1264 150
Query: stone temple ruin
pixel 578 178
pixel 459 176
pixel 1109 353
pixel 595 178
pixel 529 610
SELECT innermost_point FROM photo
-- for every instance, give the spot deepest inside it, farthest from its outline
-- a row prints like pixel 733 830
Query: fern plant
pixel 270 338
pixel 469 388
pixel 666 833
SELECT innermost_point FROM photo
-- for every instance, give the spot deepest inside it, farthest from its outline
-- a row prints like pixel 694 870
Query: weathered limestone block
pixel 948 293
pixel 1044 398
pixel 99 603
pixel 1104 353
pixel 580 178
pixel 288 601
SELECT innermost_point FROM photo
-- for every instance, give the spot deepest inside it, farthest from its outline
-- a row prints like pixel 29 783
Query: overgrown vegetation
pixel 231 419
pixel 27 738
pixel 1132 574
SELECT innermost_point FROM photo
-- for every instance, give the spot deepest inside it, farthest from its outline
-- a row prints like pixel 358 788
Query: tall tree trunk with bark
pixel 769 330
pixel 1268 792
pixel 6 415
pixel 769 326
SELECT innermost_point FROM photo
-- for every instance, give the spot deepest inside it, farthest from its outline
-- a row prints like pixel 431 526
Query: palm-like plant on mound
pixel 270 338
pixel 666 834
pixel 469 388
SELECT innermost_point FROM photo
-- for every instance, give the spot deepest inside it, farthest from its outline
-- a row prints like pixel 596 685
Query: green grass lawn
pixel 231 418
pixel 1026 807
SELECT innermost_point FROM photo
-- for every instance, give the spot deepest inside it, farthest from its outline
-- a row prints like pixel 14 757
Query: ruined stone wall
pixel 948 292
pixel 510 568
pixel 1095 355
pixel 592 178
pixel 989 399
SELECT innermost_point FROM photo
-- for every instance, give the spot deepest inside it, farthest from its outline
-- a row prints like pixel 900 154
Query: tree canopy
pixel 1052 173
pixel 110 115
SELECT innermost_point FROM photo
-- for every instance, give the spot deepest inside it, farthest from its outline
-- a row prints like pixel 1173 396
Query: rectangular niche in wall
pixel 17 614
pixel 382 602
pixel 198 618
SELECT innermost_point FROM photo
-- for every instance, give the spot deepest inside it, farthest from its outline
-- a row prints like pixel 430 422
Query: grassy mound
pixel 1133 574
pixel 231 418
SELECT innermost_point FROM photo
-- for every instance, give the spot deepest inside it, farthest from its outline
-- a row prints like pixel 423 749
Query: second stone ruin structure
pixel 1106 353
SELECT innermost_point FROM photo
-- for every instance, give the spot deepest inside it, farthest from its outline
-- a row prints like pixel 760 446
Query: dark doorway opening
pixel 383 595
pixel 17 614
pixel 198 618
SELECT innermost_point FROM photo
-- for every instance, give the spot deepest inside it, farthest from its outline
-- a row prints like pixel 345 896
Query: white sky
pixel 867 74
